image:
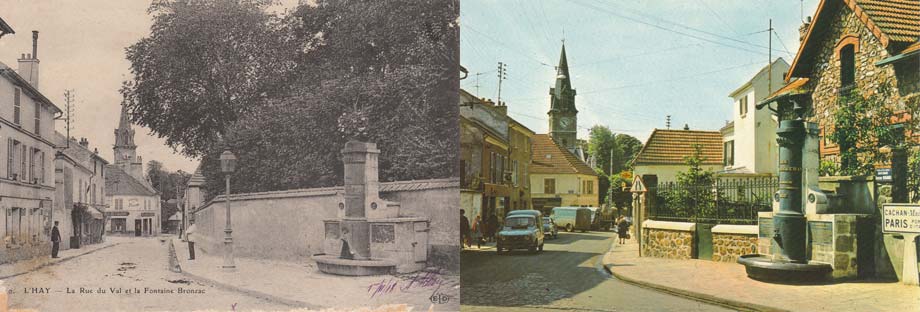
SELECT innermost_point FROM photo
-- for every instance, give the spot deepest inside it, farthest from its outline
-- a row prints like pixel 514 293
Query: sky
pixel 632 63
pixel 81 47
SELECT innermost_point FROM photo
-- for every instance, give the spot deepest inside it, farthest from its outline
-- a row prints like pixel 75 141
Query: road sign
pixel 883 175
pixel 901 218
pixel 904 219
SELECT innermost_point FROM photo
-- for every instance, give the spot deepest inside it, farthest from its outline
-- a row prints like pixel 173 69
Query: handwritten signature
pixel 392 284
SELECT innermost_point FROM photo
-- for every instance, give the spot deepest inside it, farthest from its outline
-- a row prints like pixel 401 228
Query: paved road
pixel 566 276
pixel 136 263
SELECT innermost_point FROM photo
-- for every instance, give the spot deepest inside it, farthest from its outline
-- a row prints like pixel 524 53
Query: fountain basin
pixel 764 268
pixel 334 265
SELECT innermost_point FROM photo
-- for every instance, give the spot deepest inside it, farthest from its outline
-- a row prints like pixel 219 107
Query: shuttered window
pixel 17 106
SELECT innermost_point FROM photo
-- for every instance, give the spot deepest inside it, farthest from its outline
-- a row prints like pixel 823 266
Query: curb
pixel 252 293
pixel 705 298
pixel 64 259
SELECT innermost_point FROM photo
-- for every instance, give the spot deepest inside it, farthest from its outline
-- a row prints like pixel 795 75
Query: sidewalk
pixel 25 266
pixel 300 284
pixel 727 284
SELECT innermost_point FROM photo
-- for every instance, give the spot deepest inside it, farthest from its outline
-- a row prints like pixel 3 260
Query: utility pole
pixel 770 59
pixel 68 100
pixel 502 75
pixel 610 171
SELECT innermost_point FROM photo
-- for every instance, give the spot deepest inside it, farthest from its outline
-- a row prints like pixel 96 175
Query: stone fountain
pixel 370 236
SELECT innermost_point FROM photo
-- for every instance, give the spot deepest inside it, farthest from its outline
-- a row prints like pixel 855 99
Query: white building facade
pixel 749 140
pixel 27 172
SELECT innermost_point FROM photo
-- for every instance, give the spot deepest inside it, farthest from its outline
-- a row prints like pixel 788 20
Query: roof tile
pixel 548 158
pixel 669 147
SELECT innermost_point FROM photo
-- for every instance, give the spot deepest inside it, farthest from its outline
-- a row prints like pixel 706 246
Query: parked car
pixel 549 227
pixel 573 218
pixel 520 231
pixel 536 213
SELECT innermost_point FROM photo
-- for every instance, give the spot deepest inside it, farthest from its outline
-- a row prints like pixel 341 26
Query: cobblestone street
pixel 133 276
pixel 567 275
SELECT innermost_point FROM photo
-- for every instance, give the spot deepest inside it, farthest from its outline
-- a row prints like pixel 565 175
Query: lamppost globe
pixel 227 162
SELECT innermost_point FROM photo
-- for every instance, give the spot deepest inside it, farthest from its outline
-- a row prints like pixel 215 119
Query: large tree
pixel 169 184
pixel 205 64
pixel 602 145
pixel 383 72
pixel 631 147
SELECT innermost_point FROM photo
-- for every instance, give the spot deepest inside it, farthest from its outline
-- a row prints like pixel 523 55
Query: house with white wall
pixel 664 152
pixel 749 139
pixel 27 172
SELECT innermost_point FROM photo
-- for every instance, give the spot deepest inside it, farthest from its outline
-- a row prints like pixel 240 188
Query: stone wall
pixel 729 242
pixel 671 240
pixel 288 225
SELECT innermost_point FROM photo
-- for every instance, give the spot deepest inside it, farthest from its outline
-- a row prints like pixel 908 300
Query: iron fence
pixel 724 201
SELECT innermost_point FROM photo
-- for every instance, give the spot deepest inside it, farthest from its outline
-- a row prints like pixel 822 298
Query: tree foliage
pixel 862 125
pixel 205 64
pixel 692 195
pixel 602 145
pixel 169 184
pixel 285 92
pixel 631 147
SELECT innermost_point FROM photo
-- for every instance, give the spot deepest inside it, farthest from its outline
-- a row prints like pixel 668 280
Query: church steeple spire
pixel 125 151
pixel 563 93
pixel 563 119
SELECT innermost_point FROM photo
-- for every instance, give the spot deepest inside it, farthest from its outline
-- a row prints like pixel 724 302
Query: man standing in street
pixel 55 240
pixel 190 237
pixel 464 229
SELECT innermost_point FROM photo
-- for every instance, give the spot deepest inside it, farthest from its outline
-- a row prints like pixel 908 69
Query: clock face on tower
pixel 565 122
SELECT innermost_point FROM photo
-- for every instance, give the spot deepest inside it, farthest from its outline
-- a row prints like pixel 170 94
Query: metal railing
pixel 724 201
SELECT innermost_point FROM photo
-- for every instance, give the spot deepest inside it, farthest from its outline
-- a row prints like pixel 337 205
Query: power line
pixel 783 44
pixel 506 45
pixel 637 20
pixel 670 79
pixel 695 29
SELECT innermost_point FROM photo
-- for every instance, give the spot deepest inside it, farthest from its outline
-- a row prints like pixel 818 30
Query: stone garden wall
pixel 671 240
pixel 288 225
pixel 732 241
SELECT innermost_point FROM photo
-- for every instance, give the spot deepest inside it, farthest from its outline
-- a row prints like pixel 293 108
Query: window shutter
pixel 9 158
pixel 23 164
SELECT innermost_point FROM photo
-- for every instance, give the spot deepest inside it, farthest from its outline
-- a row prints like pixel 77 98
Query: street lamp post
pixel 227 166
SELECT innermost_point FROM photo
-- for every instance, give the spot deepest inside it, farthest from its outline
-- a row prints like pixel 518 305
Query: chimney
pixel 502 108
pixel 28 64
pixel 804 28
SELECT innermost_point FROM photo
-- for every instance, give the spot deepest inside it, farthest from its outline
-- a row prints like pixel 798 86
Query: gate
pixel 703 239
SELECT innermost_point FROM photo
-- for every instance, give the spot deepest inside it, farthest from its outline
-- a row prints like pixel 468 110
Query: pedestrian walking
pixel 55 240
pixel 622 229
pixel 493 227
pixel 477 231
pixel 191 236
pixel 464 229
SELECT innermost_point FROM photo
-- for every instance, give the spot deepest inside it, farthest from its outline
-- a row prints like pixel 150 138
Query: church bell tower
pixel 563 117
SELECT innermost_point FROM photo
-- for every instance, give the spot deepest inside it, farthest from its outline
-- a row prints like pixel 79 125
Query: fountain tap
pixel 778 238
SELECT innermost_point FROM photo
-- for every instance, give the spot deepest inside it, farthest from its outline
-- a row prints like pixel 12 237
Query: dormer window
pixel 847 66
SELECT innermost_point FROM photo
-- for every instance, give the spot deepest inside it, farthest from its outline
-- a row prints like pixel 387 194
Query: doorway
pixel 137 227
